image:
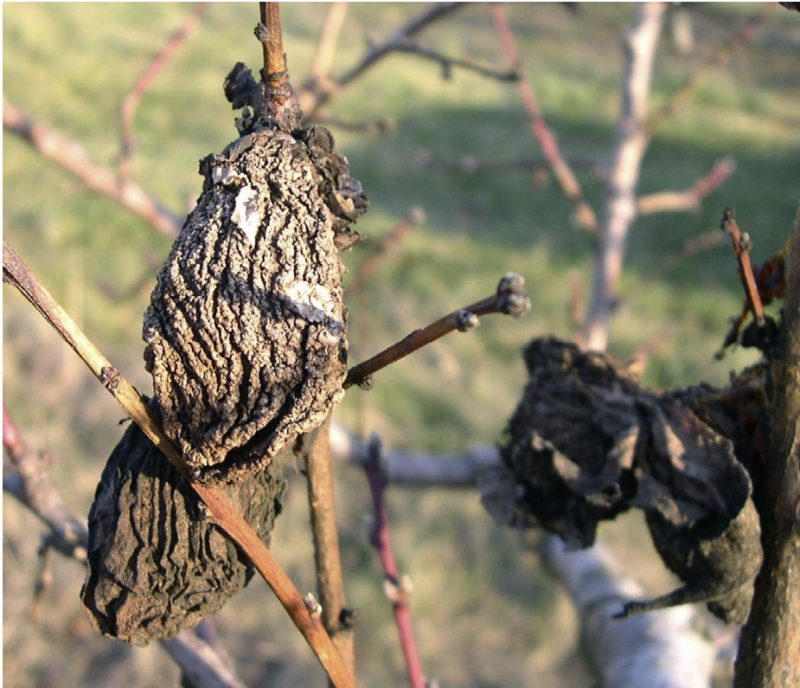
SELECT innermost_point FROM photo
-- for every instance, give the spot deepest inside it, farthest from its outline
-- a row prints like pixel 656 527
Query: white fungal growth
pixel 247 214
pixel 314 302
pixel 225 175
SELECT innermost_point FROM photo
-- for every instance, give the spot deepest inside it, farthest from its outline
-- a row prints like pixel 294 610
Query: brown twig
pixel 32 487
pixel 562 171
pixel 639 42
pixel 691 199
pixel 447 63
pixel 146 81
pixel 227 517
pixel 741 246
pixel 330 582
pixel 738 40
pixel 68 534
pixel 417 468
pixel 314 94
pixel 328 39
pixel 71 156
pixel 376 127
pixel 281 103
pixel 397 588
pixel 510 298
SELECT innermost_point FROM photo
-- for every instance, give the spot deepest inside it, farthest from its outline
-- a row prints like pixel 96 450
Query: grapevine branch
pixel 315 94
pixel 327 560
pixel 397 588
pixel 228 518
pixel 547 141
pixel 510 298
pixel 74 158
pixel 146 81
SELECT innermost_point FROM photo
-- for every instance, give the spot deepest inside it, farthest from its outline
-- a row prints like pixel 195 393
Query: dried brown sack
pixel 245 331
pixel 587 442
pixel 157 562
pixel 245 339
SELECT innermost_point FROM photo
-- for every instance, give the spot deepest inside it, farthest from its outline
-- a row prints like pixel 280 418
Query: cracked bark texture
pixel 245 331
pixel 157 562
pixel 587 442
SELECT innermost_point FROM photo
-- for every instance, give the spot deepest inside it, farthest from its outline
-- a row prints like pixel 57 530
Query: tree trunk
pixel 769 652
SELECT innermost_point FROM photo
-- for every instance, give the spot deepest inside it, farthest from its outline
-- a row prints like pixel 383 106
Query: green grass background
pixel 484 611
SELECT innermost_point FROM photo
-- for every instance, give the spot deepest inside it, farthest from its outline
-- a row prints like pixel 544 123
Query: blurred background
pixel 485 612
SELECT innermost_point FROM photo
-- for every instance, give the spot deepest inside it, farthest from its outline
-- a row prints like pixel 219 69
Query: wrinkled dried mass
pixel 156 561
pixel 245 331
pixel 587 442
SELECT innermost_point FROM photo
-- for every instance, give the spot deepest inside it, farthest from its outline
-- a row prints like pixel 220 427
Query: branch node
pixel 312 605
pixel 511 296
pixel 349 617
pixel 466 320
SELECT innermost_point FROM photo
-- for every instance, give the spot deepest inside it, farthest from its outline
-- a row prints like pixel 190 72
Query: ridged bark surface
pixel 156 561
pixel 245 331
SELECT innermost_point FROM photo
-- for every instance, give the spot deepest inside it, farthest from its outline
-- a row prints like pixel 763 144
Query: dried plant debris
pixel 245 339
pixel 157 561
pixel 587 442
pixel 245 331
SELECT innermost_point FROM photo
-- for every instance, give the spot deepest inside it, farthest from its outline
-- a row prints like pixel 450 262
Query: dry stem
pixel 741 246
pixel 547 141
pixel 326 48
pixel 145 82
pixel 70 155
pixel 639 42
pixel 396 588
pixel 227 517
pixel 314 95
pixel 510 298
pixel 740 38
pixel 689 200
pixel 330 582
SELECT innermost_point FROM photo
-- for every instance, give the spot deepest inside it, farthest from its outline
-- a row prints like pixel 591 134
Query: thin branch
pixel 562 171
pixel 227 517
pixel 738 40
pixel 658 649
pixel 374 127
pixel 68 535
pixel 510 298
pixel 327 560
pixel 272 42
pixel 71 156
pixel 146 81
pixel 741 246
pixel 691 199
pixel 314 95
pixel 397 589
pixel 328 39
pixel 639 42
pixel 447 63
pixel 32 487
pixel 201 666
pixel 417 468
